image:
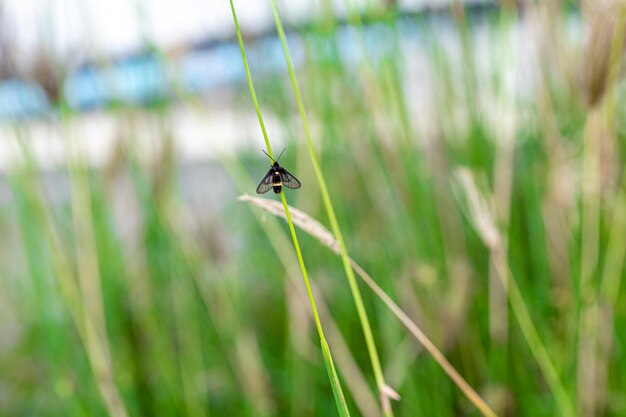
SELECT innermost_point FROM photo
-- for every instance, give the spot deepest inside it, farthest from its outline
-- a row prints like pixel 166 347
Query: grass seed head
pixel 606 19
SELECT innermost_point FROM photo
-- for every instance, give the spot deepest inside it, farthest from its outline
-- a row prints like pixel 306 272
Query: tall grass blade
pixel 91 335
pixel 483 221
pixel 334 380
pixel 330 211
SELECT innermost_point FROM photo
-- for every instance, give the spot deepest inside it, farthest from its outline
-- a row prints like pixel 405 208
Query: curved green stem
pixel 330 211
pixel 328 361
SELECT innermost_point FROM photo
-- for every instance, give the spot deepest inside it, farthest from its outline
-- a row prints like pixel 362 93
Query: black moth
pixel 276 177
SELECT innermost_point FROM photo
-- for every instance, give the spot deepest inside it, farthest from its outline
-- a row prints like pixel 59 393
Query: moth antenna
pixel 281 154
pixel 263 150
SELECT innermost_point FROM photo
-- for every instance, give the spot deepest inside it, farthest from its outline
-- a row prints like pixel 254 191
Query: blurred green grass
pixel 198 316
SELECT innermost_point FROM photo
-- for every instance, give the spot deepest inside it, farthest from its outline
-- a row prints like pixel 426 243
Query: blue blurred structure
pixel 148 77
pixel 20 99
pixel 136 80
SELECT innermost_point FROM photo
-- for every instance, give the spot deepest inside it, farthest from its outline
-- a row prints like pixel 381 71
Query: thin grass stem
pixel 354 288
pixel 340 401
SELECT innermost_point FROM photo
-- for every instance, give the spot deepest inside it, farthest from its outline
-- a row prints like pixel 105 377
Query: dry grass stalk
pixel 608 30
pixel 319 232
pixel 353 376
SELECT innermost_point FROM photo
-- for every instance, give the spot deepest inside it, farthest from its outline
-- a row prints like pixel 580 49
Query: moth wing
pixel 266 183
pixel 289 180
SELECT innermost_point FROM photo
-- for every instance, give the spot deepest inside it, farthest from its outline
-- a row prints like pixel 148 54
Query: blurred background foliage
pixel 455 138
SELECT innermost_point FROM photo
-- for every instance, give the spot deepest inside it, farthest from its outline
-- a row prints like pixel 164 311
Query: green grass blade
pixel 354 288
pixel 334 381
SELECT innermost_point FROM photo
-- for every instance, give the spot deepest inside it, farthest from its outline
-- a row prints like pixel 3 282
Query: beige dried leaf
pixel 302 220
